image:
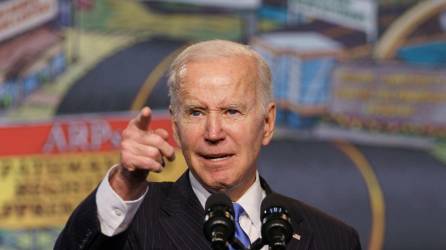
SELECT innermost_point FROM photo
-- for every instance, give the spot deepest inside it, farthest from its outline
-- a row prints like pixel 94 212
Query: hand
pixel 142 151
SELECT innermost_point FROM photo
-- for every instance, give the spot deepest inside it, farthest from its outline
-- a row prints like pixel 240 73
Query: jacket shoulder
pixel 327 231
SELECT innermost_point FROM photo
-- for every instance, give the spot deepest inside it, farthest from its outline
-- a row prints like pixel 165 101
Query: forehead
pixel 234 71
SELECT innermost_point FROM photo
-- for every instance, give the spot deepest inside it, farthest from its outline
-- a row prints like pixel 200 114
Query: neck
pixel 236 191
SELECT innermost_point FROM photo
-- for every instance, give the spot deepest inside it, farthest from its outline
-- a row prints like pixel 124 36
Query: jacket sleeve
pixel 83 231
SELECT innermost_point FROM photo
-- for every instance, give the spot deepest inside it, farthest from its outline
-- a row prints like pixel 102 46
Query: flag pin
pixel 296 236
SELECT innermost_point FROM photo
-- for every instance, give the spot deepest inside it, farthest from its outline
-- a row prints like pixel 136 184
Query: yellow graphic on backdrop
pixel 43 190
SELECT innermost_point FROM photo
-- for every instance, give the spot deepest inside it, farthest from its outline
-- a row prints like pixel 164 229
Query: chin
pixel 217 175
pixel 220 181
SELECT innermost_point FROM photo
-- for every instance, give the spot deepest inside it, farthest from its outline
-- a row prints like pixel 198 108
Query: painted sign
pixel 17 16
pixel 356 14
pixel 237 4
pixel 394 97
pixel 47 168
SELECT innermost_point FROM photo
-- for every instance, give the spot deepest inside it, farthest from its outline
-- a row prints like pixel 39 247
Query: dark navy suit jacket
pixel 171 217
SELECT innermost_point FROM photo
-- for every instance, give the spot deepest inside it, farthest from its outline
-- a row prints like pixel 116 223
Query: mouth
pixel 216 157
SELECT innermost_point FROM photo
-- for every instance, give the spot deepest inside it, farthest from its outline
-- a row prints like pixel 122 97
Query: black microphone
pixel 276 223
pixel 219 227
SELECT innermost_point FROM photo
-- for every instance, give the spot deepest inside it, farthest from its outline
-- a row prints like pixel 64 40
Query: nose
pixel 214 130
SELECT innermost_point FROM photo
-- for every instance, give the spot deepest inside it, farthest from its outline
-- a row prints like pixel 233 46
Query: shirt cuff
pixel 114 214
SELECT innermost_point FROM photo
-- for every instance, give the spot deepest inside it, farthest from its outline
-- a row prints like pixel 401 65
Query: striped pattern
pixel 171 217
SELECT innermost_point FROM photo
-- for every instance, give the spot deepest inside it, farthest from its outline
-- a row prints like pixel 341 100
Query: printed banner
pixel 47 168
pixel 42 190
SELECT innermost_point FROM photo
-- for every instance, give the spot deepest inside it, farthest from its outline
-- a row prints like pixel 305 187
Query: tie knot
pixel 238 210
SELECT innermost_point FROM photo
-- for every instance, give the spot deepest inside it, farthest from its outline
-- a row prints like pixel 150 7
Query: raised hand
pixel 142 150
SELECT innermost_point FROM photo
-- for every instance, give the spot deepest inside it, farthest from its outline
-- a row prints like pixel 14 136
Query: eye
pixel 232 112
pixel 195 112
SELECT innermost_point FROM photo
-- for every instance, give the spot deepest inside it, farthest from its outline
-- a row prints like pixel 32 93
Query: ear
pixel 270 123
pixel 174 127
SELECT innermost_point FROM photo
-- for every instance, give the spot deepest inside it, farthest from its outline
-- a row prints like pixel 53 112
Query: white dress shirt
pixel 250 201
pixel 115 214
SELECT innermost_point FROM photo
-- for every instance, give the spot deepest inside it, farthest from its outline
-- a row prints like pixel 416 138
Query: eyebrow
pixel 192 106
pixel 237 106
pixel 229 106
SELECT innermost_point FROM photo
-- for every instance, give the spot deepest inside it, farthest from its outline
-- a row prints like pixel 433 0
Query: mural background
pixel 360 87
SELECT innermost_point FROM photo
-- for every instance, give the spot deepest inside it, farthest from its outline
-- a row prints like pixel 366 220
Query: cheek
pixel 189 135
pixel 256 139
pixel 254 132
pixel 249 137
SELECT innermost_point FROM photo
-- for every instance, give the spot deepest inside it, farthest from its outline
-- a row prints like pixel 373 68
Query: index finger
pixel 143 119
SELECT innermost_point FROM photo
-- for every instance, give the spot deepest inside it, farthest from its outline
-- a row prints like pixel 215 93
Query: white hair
pixel 216 49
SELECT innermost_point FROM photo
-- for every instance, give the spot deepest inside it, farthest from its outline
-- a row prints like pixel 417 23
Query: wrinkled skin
pixel 221 124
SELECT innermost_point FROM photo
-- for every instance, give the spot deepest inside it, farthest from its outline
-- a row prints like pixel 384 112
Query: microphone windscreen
pixel 218 199
pixel 272 200
pixel 276 223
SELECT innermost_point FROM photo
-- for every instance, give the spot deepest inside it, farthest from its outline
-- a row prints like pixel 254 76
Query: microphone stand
pixel 238 245
pixel 256 245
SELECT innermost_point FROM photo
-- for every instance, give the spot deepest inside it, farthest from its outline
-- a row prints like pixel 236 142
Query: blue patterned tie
pixel 239 233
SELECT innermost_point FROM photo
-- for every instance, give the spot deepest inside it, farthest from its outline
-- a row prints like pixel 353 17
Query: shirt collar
pixel 201 193
pixel 250 200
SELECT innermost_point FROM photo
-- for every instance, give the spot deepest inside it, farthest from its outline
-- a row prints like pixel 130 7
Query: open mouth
pixel 216 157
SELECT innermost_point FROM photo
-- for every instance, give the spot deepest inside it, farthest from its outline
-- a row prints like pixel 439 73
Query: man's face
pixel 220 122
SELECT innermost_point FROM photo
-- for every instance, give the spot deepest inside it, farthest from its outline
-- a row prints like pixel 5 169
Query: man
pixel 222 114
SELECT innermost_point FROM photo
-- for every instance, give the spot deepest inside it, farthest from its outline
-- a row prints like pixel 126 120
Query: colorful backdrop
pixel 360 86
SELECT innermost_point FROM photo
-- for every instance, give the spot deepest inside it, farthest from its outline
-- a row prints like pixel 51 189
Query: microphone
pixel 219 221
pixel 276 223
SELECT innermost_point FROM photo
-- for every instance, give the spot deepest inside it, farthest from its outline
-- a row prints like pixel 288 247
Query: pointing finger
pixel 143 119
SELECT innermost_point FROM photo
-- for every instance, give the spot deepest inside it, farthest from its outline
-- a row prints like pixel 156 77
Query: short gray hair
pixel 215 49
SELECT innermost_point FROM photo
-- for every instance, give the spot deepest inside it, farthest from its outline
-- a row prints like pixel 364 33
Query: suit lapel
pixel 302 234
pixel 183 216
